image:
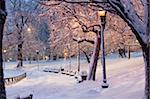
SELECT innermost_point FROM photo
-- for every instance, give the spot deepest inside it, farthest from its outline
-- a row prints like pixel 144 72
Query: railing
pixel 13 80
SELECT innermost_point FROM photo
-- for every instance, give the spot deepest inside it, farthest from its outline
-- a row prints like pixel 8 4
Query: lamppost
pixel 69 55
pixel 129 52
pixel 78 58
pixel 29 30
pixel 4 57
pixel 102 15
pixel 37 52
pixel 65 58
pixel 44 53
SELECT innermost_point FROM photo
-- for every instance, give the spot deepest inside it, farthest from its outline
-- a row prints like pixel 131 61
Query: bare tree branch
pixel 86 40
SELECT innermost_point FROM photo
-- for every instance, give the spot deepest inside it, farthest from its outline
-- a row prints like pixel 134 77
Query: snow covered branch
pixel 80 1
pixel 128 13
pixel 86 40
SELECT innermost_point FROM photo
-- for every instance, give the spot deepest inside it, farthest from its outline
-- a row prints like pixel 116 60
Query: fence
pixel 13 80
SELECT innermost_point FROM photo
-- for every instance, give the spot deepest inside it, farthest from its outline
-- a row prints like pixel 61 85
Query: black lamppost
pixel 37 52
pixel 65 58
pixel 78 55
pixel 102 15
pixel 69 55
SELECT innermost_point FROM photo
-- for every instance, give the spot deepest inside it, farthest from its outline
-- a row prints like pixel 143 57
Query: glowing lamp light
pixel 102 13
pixel 29 29
pixel 65 54
pixel 4 51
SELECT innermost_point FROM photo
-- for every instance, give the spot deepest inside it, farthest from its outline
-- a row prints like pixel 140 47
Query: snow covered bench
pixel 81 77
pixel 67 72
pixel 53 70
pixel 61 70
pixel 27 97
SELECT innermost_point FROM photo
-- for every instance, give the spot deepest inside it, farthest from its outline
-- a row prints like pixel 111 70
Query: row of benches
pixel 62 71
pixel 80 78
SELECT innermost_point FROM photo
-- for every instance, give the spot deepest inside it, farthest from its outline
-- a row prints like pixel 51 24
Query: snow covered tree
pixel 84 17
pixel 95 56
pixel 20 14
pixel 3 15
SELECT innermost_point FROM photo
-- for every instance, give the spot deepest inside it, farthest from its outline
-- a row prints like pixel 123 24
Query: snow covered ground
pixel 125 78
pixel 12 73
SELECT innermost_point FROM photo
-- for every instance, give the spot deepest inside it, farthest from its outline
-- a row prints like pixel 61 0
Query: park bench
pixel 81 77
pixel 53 70
pixel 27 97
pixel 67 72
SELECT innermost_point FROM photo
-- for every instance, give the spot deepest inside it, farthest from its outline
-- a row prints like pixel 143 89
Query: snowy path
pixel 125 77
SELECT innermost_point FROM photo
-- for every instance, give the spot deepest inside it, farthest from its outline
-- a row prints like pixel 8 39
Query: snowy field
pixel 12 73
pixel 125 78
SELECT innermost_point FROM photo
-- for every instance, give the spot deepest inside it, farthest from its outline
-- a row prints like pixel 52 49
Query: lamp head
pixel 65 54
pixel 102 13
pixel 4 51
pixel 29 29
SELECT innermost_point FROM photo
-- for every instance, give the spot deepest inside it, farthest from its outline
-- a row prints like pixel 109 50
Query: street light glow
pixel 65 54
pixel 5 51
pixel 29 29
pixel 102 13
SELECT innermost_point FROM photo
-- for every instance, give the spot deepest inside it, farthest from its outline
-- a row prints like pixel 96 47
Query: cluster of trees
pixel 57 25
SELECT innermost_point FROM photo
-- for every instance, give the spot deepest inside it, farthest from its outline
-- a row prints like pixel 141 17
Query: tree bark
pixel 2 22
pixel 86 40
pixel 20 63
pixel 20 42
pixel 129 52
pixel 87 57
pixel 94 58
pixel 146 54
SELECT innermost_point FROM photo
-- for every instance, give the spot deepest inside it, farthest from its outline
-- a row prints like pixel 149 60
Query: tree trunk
pixel 129 52
pixel 2 86
pixel 87 57
pixel 146 54
pixel 94 58
pixel 20 63
pixel 2 22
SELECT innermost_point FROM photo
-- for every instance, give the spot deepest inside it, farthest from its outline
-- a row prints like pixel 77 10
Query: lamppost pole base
pixel 105 85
